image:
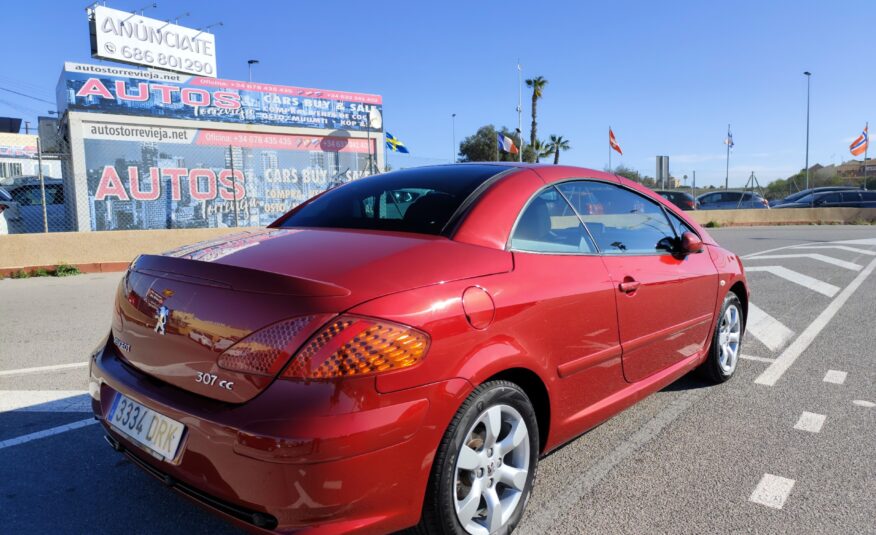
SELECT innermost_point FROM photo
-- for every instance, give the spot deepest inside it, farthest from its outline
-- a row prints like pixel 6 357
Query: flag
pixel 395 145
pixel 613 142
pixel 729 140
pixel 507 144
pixel 859 146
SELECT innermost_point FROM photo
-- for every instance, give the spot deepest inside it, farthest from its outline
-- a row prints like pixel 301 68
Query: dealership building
pixel 156 148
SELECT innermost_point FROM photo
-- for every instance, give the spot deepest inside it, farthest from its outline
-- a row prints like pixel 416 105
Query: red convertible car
pixel 400 351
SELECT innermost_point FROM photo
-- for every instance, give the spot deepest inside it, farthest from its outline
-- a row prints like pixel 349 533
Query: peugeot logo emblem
pixel 161 324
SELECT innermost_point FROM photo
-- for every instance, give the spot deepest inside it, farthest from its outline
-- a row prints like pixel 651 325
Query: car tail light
pixel 353 345
pixel 266 351
pixel 2 208
pixel 690 204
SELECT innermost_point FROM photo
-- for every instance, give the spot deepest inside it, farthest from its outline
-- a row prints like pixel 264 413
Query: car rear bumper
pixel 309 458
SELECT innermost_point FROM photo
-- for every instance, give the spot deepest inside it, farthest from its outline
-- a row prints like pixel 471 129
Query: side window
pixel 832 197
pixel 678 224
pixel 622 222
pixel 55 194
pixel 28 196
pixel 549 225
pixel 731 196
pixel 710 198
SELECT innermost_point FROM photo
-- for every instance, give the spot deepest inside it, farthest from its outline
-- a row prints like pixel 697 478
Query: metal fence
pixel 128 185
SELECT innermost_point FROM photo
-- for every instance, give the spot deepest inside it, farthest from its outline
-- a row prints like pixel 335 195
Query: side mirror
pixel 690 244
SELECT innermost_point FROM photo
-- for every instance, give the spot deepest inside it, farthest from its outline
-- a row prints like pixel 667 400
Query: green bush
pixel 65 270
pixel 712 224
pixel 40 273
pixel 20 274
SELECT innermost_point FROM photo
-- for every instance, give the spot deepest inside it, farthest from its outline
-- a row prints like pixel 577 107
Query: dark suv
pixel 682 199
pixel 730 200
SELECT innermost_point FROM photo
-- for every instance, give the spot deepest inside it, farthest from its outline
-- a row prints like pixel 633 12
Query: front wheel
pixel 726 342
pixel 484 469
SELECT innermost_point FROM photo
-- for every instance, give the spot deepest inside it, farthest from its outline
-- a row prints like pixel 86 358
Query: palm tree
pixel 537 84
pixel 556 144
pixel 542 149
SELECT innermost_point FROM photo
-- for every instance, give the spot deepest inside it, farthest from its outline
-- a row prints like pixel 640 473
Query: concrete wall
pixel 95 251
pixel 114 250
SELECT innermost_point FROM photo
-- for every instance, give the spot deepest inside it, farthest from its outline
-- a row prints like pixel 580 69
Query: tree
pixel 556 144
pixel 483 146
pixel 542 149
pixel 537 85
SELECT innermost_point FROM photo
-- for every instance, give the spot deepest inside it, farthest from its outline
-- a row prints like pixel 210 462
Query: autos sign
pixel 131 38
pixel 151 93
pixel 151 177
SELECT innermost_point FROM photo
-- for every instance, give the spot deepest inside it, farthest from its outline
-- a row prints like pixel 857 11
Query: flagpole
pixel 866 148
pixel 727 175
pixel 609 148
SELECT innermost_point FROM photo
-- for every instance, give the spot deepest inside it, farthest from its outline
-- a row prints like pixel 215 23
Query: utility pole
pixel 520 109
pixel 728 142
pixel 808 77
pixel 250 63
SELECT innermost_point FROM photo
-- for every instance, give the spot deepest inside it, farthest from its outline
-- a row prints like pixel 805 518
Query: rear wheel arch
pixel 538 395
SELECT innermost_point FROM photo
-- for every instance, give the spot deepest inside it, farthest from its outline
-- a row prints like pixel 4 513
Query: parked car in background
pixel 26 192
pixel 730 200
pixel 794 197
pixel 7 206
pixel 682 199
pixel 854 198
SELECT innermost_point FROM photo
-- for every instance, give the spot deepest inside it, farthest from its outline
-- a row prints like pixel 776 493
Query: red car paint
pixel 353 455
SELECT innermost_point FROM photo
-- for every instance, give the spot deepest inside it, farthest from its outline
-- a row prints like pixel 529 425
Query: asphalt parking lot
pixel 786 446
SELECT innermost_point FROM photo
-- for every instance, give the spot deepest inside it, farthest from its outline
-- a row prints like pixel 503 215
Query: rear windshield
pixel 413 200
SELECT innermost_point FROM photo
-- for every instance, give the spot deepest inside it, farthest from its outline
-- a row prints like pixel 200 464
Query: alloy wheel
pixel 491 470
pixel 729 336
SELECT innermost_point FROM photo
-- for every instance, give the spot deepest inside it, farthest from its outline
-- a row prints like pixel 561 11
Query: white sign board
pixel 129 38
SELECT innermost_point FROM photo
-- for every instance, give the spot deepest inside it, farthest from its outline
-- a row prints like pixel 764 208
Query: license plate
pixel 143 425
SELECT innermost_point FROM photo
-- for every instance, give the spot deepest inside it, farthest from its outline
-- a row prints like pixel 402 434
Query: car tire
pixel 726 346
pixel 476 466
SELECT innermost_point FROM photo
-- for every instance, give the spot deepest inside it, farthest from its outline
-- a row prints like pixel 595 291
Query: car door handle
pixel 629 286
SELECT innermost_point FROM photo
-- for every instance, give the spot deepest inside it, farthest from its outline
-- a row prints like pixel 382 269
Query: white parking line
pixel 809 421
pixel 772 491
pixel 46 433
pixel 814 256
pixel 770 331
pixel 835 376
pixel 23 371
pixel 758 359
pixel 840 247
pixel 812 283
pixel 864 403
pixel 45 401
pixel 784 361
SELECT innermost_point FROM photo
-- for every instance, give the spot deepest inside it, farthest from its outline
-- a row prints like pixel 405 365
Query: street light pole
pixel 453 126
pixel 808 77
pixel 250 63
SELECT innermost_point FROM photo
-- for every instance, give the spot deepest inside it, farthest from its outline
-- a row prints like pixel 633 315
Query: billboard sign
pixel 18 146
pixel 102 89
pixel 151 177
pixel 130 38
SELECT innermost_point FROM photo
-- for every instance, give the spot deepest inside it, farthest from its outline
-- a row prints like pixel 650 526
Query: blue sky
pixel 667 76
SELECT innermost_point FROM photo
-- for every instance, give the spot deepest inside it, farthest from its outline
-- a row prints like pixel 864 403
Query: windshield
pixel 414 200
